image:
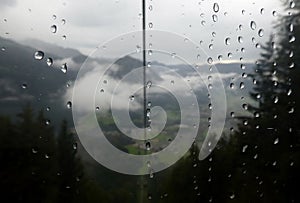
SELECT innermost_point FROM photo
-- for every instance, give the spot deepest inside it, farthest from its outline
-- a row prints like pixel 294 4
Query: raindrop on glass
pixel 49 61
pixel 245 106
pixel 131 98
pixel 216 7
pixel 24 86
pixel 240 39
pixel 149 84
pixel 292 39
pixel 63 21
pixel 209 60
pixel 38 55
pixel 276 141
pixel 69 104
pixel 242 85
pixel 53 28
pixel 34 151
pixel 227 41
pixel 64 68
pixel 47 122
pixel 148 145
pixel 253 25
pixel 244 148
pixel 260 32
pixel 292 4
pixel 150 25
pixel 215 18
pixel 64 37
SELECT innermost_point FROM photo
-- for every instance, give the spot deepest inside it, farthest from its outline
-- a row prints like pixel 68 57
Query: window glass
pixel 149 101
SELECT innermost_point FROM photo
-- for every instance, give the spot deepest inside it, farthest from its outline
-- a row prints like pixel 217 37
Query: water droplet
pixel 275 100
pixel 24 86
pixel 216 7
pixel 53 17
pixel 150 25
pixel 232 196
pixel 203 22
pixel 253 25
pixel 243 12
pixel 260 32
pixel 232 114
pixel 209 60
pixel 150 8
pixel 289 92
pixel 75 146
pixel 210 46
pixel 53 28
pixel 49 61
pixel 47 122
pixel 244 148
pixel 97 108
pixel 256 115
pixel 215 18
pixel 220 57
pixel 240 39
pixel 172 82
pixel 291 27
pixel 229 55
pixel 245 106
pixel 148 145
pixel 63 21
pixel 274 13
pixel 262 11
pixel 240 27
pixel 227 41
pixel 138 49
pixel 257 45
pixel 131 98
pixel 34 150
pixel 213 34
pixel 276 141
pixel 292 4
pixel 292 39
pixel 48 109
pixel 47 156
pixel 243 66
pixel 150 52
pixel 231 85
pixel 255 156
pixel 64 37
pixel 242 85
pixel 244 75
pixel 3 49
pixel 102 90
pixel 39 55
pixel 64 68
pixel 149 84
pixel 69 104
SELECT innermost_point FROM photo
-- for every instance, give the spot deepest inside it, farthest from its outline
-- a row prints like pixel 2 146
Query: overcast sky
pixel 91 23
